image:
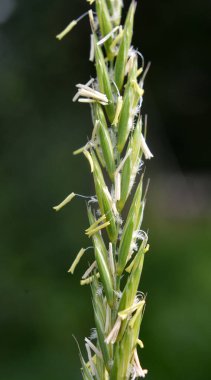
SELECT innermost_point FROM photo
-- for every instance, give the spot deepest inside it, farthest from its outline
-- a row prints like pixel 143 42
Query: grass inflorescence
pixel 115 153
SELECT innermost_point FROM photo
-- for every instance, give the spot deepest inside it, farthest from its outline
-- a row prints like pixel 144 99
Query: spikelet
pixel 115 151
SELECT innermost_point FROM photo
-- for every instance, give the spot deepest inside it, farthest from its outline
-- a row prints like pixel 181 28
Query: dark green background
pixel 41 305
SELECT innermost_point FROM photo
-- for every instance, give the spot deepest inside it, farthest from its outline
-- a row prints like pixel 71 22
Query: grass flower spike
pixel 114 152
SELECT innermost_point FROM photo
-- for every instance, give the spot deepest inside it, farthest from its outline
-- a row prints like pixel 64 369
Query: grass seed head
pixel 114 152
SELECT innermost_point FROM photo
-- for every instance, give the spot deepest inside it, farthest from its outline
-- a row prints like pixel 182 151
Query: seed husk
pixel 104 80
pixel 105 24
pixel 124 47
pixel 125 245
pixel 131 165
pixel 97 237
pixel 101 340
pixel 105 142
pixel 107 207
pixel 131 287
pixel 130 101
pixel 104 274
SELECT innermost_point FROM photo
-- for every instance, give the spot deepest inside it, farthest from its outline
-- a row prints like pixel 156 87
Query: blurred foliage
pixel 42 306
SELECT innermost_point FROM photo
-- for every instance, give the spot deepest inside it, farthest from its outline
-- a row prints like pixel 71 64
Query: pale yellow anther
pixel 102 226
pixel 90 92
pixel 87 85
pixel 147 248
pixel 95 224
pixel 87 100
pixel 93 347
pixel 92 49
pixel 80 150
pixel 89 279
pixel 89 158
pixel 89 270
pixel 117 40
pixel 110 34
pixel 137 314
pixel 112 337
pixel 118 170
pixel 140 372
pixel 139 90
pixel 127 312
pixel 91 20
pixel 90 1
pixel 140 343
pixel 130 64
pixel 117 182
pixel 76 261
pixel 145 149
pixel 118 110
pixel 65 202
pixel 66 30
pixel 86 94
pixel 139 72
